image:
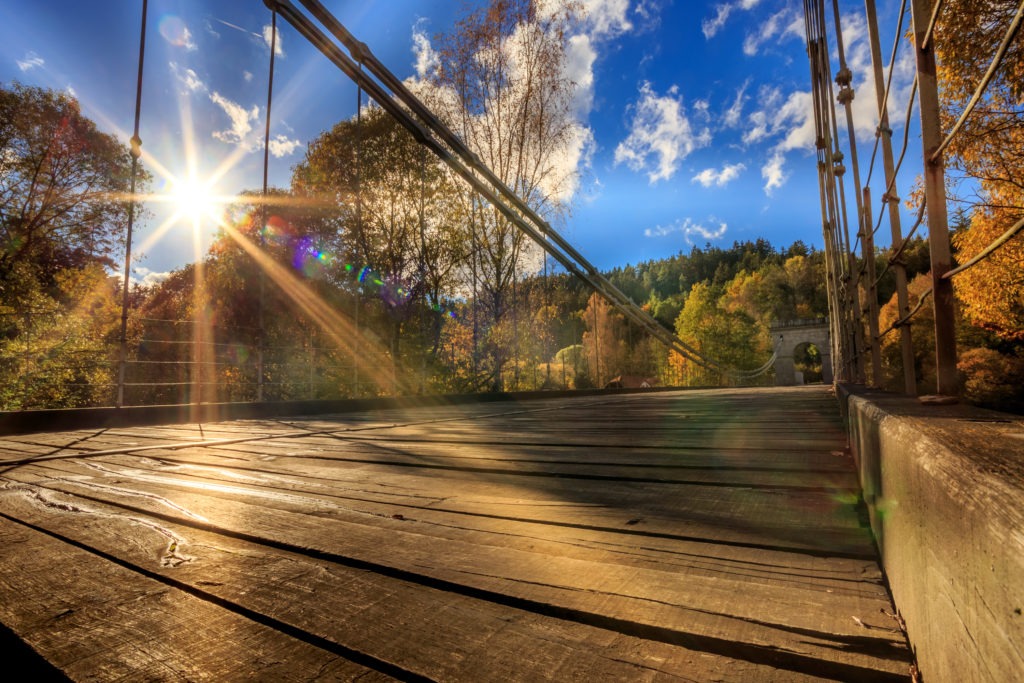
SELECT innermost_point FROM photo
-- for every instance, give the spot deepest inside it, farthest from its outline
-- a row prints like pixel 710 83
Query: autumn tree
pixel 397 231
pixel 729 336
pixel 604 340
pixel 501 82
pixel 63 190
pixel 63 208
pixel 989 151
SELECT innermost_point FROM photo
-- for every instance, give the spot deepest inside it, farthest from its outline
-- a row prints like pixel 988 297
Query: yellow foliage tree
pixel 988 150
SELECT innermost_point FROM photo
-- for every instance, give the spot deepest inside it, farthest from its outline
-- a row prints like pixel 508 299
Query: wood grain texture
pixel 672 536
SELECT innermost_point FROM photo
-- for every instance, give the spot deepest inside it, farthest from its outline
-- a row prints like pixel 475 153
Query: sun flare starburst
pixel 193 199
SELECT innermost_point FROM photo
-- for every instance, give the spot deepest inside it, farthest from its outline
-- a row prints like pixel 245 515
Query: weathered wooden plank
pixel 424 631
pixel 637 598
pixel 617 540
pixel 729 515
pixel 96 620
pixel 624 516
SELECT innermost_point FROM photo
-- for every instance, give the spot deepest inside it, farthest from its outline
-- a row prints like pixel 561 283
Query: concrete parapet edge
pixel 944 486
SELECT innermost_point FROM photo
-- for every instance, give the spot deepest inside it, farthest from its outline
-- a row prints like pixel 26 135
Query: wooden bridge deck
pixel 701 535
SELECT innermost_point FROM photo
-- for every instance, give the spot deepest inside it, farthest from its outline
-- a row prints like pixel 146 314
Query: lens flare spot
pixel 174 31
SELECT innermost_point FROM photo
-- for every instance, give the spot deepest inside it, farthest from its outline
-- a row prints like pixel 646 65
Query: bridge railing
pixel 857 336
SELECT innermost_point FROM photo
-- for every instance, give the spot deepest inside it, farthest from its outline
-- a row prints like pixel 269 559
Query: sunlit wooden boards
pixel 673 536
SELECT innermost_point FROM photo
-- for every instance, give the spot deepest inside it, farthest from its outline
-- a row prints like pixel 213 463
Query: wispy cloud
pixel 731 117
pixel 187 77
pixel 710 176
pixel 661 135
pixel 242 132
pixel 187 42
pixel 689 229
pixel 241 120
pixel 722 13
pixel 607 17
pixel 427 59
pixel 31 61
pixel 773 173
pixel 787 22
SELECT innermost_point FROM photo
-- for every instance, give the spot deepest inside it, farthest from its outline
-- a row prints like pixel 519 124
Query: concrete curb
pixel 945 489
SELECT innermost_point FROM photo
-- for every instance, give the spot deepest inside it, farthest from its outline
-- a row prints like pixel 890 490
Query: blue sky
pixel 697 111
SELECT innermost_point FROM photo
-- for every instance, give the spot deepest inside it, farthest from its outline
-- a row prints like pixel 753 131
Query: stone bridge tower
pixel 788 335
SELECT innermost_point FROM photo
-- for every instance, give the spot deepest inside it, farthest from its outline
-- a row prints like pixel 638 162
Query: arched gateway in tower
pixel 790 336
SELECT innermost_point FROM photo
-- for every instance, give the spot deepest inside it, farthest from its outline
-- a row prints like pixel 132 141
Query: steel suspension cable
pixel 885 138
pixel 825 126
pixel 357 302
pixel 846 94
pixel 136 152
pixel 495 191
pixel 584 269
pixel 930 31
pixel 987 251
pixel 894 258
pixel 263 213
pixel 887 195
pixel 888 84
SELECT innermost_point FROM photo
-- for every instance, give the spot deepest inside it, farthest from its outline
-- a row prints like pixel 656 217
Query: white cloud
pixel 607 17
pixel 146 278
pixel 579 68
pixel 268 32
pixel 281 146
pixel 773 173
pixel 247 76
pixel 186 40
pixel 689 229
pixel 791 117
pixel 426 57
pixel 661 135
pixel 710 176
pixel 647 10
pixel 71 91
pixel 242 133
pixel 31 61
pixel 187 77
pixel 758 129
pixel 796 116
pixel 702 108
pixel 241 121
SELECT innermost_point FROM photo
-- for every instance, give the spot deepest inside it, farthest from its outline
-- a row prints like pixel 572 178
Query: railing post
pixel 935 196
pixel 902 299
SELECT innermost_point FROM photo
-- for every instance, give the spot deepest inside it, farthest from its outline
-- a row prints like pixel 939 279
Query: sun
pixel 194 199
